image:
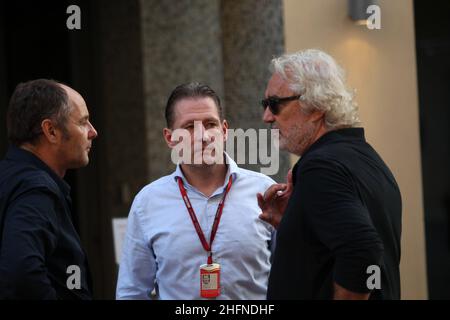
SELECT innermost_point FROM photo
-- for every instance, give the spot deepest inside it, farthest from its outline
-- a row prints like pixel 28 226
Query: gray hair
pixel 320 81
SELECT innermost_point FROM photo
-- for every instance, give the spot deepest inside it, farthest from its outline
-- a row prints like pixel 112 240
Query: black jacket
pixel 38 242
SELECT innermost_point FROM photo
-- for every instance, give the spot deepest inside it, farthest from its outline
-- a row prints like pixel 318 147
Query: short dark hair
pixel 190 90
pixel 30 104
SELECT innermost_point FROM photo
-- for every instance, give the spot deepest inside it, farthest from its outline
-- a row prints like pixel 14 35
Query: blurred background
pixel 129 55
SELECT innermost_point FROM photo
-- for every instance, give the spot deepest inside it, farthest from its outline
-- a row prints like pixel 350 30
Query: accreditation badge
pixel 210 280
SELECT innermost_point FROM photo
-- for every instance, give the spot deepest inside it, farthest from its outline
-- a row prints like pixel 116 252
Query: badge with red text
pixel 210 280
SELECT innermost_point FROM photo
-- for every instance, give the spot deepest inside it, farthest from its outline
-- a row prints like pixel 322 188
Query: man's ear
pixel 167 133
pixel 316 116
pixel 50 131
pixel 225 130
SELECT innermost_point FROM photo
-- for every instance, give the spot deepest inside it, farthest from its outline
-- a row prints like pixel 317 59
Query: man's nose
pixel 206 135
pixel 268 116
pixel 199 132
pixel 92 132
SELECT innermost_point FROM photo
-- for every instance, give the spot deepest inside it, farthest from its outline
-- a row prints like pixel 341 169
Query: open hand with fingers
pixel 274 201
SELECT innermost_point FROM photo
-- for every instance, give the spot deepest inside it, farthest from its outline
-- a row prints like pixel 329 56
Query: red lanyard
pixel 207 246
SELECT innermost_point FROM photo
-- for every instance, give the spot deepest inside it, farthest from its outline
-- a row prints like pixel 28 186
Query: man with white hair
pixel 338 217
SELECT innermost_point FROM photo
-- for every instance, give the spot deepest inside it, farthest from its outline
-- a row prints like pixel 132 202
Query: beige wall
pixel 381 65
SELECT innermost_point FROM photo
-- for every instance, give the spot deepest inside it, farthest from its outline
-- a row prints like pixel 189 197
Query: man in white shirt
pixel 196 234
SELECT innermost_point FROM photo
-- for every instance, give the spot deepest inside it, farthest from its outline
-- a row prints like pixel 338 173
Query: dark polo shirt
pixel 344 216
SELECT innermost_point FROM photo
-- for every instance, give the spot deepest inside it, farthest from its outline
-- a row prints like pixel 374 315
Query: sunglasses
pixel 274 103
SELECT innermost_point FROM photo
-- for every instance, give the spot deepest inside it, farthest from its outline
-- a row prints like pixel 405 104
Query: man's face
pixel 200 117
pixel 76 143
pixel 296 128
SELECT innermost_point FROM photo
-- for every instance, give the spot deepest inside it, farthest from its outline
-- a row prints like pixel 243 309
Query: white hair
pixel 320 81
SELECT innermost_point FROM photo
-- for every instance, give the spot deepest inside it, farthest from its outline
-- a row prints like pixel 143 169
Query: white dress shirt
pixel 162 250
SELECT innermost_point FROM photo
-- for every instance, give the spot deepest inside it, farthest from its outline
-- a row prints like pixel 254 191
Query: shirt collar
pixel 232 169
pixel 345 134
pixel 18 154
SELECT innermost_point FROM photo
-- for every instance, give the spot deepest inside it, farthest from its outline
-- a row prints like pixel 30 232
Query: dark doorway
pixel 35 43
pixel 36 46
pixel 433 69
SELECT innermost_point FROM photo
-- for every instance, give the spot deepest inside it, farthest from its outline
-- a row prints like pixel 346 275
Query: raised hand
pixel 274 201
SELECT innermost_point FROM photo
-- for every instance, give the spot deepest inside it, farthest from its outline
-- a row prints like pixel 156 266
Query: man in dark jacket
pixel 40 252
pixel 339 237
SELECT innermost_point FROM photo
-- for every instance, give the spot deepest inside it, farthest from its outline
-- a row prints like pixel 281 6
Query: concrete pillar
pixel 252 35
pixel 181 42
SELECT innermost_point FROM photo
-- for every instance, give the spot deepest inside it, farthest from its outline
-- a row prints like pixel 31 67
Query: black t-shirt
pixel 343 218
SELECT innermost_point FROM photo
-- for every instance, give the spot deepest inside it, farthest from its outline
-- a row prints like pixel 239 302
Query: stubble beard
pixel 297 139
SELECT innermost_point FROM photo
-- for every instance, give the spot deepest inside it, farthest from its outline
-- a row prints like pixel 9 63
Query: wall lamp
pixel 357 10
